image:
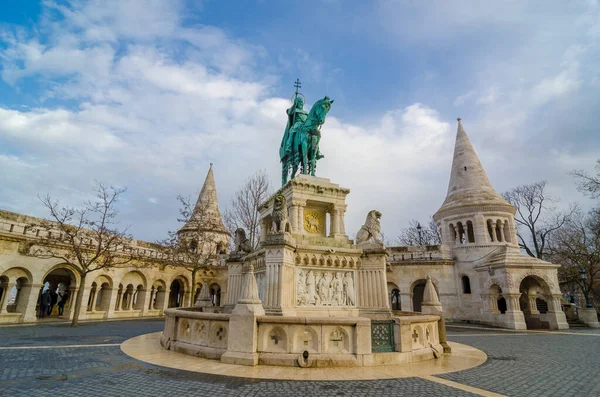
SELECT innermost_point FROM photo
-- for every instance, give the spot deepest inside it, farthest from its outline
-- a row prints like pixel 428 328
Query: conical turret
pixel 469 184
pixel 206 216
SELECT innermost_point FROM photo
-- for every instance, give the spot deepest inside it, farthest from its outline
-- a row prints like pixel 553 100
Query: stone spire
pixel 207 215
pixel 469 184
pixel 430 296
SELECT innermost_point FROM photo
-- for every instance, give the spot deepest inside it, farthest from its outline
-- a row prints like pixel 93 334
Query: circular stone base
pixel 147 348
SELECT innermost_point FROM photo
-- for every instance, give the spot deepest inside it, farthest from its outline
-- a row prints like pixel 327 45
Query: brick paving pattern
pixel 529 365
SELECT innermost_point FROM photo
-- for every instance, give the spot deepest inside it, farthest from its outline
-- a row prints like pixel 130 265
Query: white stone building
pixel 479 271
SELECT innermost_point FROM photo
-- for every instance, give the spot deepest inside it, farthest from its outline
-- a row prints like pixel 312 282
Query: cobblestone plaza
pixel 51 359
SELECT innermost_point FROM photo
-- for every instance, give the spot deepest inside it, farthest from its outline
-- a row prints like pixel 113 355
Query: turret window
pixel 461 233
pixel 452 233
pixel 470 234
pixel 491 230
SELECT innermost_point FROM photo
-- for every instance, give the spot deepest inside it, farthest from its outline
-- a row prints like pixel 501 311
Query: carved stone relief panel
pixel 325 288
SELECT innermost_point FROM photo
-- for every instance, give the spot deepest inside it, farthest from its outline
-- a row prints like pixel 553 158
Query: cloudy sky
pixel 144 94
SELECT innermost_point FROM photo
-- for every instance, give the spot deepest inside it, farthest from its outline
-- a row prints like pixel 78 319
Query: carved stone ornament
pixel 325 288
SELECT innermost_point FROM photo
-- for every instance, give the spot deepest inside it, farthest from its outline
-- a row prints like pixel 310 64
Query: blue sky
pixel 145 94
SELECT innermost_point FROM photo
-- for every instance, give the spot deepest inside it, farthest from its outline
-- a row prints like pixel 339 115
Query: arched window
pixel 395 299
pixel 470 234
pixel 507 236
pixel 490 227
pixel 452 233
pixel 502 305
pixel 466 285
pixel 461 233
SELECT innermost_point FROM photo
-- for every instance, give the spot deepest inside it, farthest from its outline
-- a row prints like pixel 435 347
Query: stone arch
pixel 100 297
pixel 534 289
pixel 17 284
pixel 64 279
pixel 134 278
pixel 306 339
pixel 14 273
pixel 337 341
pixel 177 291
pixel 394 296
pixel 158 295
pixel 276 339
pixel 215 294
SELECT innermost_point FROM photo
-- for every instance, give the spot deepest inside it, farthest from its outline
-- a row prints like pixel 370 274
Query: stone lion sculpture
pixel 371 229
pixel 279 216
pixel 242 243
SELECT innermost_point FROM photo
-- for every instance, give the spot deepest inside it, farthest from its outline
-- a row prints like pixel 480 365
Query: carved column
pixel 480 229
pixel 456 236
pixel 337 221
pixel 300 224
pixel 4 303
pixel 533 305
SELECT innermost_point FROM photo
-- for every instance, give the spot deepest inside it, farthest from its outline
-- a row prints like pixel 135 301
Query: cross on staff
pixel 297 84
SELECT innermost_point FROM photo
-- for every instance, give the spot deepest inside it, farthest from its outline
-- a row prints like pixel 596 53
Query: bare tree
pixel 577 245
pixel 589 184
pixel 86 238
pixel 536 217
pixel 195 246
pixel 420 234
pixel 243 210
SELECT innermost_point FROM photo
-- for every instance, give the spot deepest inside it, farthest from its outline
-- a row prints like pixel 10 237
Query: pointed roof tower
pixel 206 215
pixel 469 184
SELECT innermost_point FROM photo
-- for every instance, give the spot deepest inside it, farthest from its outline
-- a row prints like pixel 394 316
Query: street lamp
pixel 586 292
pixel 419 231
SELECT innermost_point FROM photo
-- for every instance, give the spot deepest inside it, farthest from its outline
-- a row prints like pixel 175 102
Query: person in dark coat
pixel 53 300
pixel 45 302
pixel 64 296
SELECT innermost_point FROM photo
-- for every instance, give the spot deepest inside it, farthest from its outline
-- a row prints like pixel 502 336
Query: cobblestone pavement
pixel 518 365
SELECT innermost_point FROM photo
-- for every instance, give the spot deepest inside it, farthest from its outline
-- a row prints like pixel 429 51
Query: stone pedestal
pixel 242 340
pixel 204 297
pixel 589 316
pixel 372 283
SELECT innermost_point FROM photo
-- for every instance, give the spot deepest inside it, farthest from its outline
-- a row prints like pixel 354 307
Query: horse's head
pixel 320 109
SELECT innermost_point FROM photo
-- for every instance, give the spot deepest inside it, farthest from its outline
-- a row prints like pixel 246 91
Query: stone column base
pixel 240 358
pixel 557 320
pixel 589 317
pixel 513 320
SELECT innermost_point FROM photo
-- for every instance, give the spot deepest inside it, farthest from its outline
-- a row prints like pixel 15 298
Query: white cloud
pixel 156 105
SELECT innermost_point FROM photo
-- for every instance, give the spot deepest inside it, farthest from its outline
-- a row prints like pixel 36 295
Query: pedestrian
pixel 44 303
pixel 53 300
pixel 62 302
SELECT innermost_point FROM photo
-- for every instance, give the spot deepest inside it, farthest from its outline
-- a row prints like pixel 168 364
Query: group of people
pixel 51 298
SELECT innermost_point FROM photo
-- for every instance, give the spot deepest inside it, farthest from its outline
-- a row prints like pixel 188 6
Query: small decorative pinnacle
pixel 211 164
pixel 458 118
